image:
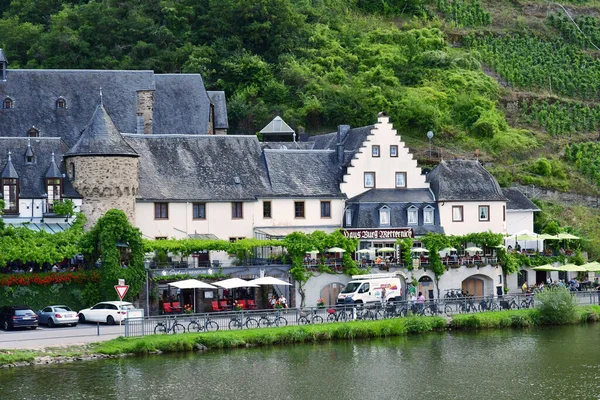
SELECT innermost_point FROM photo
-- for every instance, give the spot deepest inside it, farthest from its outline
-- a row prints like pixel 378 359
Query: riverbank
pixel 188 342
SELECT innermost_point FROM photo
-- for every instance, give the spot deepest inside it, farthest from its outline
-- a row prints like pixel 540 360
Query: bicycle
pixel 237 323
pixel 174 328
pixel 278 320
pixel 468 306
pixel 435 309
pixel 509 305
pixel 209 326
pixel 488 305
pixel 337 315
pixel 528 302
pixel 313 318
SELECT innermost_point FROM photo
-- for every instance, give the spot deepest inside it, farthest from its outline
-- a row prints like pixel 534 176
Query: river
pixel 545 363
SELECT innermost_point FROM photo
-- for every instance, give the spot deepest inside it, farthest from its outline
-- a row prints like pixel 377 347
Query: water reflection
pixel 550 363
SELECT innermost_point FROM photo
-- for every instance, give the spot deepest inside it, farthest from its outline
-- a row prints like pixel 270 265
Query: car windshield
pixel 62 309
pixel 351 287
pixel 23 312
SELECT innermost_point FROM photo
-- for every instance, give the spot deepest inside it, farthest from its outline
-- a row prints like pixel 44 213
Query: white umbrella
pixel 447 249
pixel 269 280
pixel 473 249
pixel 233 283
pixel 419 250
pixel 386 250
pixel 335 250
pixel 192 284
pixel 363 251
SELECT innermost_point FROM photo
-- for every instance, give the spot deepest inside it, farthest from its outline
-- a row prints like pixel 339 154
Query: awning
pixel 40 226
pixel 203 236
pixel 279 232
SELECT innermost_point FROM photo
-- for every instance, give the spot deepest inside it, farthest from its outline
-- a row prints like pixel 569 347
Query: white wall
pixel 517 221
pixel 314 285
pixel 471 221
pixel 282 213
pixel 384 166
pixel 32 208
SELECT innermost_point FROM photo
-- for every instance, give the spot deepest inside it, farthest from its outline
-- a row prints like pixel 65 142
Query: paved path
pixel 60 336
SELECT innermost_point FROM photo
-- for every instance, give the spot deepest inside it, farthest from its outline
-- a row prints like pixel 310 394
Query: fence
pixel 249 319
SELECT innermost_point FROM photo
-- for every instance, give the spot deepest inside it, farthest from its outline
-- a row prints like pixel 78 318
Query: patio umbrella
pixel 363 251
pixel 386 250
pixel 269 280
pixel 571 268
pixel 419 250
pixel 565 235
pixel 447 249
pixel 233 283
pixel 473 249
pixel 545 236
pixel 526 236
pixel 335 250
pixel 192 284
pixel 593 266
pixel 545 267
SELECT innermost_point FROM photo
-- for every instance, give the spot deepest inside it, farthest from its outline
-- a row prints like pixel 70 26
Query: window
pixel 237 210
pixel 348 217
pixel 457 213
pixel 53 189
pixel 10 190
pixel 428 215
pixel 384 216
pixel 33 133
pixel 400 179
pixel 413 216
pixel 484 213
pixel 161 210
pixel 199 210
pixel 29 159
pixel 160 238
pixel 72 170
pixel 394 150
pixel 369 179
pixel 7 103
pixel 375 151
pixel 298 209
pixel 266 209
pixel 325 209
pixel 235 239
pixel 503 213
pixel 61 103
pixel 521 278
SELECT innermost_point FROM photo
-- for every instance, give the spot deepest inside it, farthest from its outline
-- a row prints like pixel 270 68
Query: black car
pixel 17 317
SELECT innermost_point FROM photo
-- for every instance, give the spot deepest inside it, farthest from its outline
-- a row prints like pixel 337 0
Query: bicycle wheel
pixel 251 323
pixel 178 328
pixel 524 304
pixel 264 322
pixel 211 326
pixel 160 328
pixel 448 310
pixel 331 318
pixel 343 316
pixel 428 311
pixel 303 320
pixel 317 319
pixel 514 305
pixel 235 324
pixel 280 321
pixel 194 326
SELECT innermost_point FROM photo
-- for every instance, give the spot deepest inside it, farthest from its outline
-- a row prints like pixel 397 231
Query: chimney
pixel 302 135
pixel 342 131
pixel 339 148
pixel 139 127
pixel 145 108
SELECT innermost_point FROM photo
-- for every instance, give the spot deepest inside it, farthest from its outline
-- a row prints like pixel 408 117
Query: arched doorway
pixel 425 286
pixel 478 285
pixel 330 292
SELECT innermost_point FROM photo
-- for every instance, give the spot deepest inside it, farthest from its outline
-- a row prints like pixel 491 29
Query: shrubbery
pixel 556 306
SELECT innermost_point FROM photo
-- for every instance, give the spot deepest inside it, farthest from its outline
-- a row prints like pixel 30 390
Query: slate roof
pixel 101 137
pixel 53 170
pixel 181 105
pixel 287 145
pixel 464 180
pixel 306 173
pixel 9 170
pixel 366 216
pixel 393 196
pixel 220 106
pixel 199 167
pixel 352 141
pixel 517 201
pixel 32 176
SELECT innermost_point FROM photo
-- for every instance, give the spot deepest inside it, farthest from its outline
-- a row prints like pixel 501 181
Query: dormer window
pixel 28 159
pixel 54 191
pixel 384 216
pixel 7 103
pixel 33 132
pixel 348 217
pixel 428 215
pixel 413 215
pixel 10 191
pixel 61 103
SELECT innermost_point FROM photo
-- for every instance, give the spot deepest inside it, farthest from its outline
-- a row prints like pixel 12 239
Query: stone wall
pixel 105 183
pixel 145 108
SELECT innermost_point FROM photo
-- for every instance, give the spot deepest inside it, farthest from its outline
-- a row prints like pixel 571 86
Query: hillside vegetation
pixel 513 81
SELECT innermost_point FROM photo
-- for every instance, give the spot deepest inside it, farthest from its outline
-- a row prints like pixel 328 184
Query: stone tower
pixel 104 169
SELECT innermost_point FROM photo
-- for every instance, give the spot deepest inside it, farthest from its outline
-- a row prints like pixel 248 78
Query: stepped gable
pixel 303 173
pixel 31 176
pixel 199 167
pixel 181 105
pixel 101 138
pixel 517 201
pixel 464 180
pixel 217 98
pixel 35 93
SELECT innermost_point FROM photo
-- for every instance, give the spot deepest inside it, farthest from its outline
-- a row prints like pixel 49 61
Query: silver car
pixel 57 315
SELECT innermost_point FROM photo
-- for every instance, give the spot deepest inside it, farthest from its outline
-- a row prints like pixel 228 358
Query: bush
pixel 556 306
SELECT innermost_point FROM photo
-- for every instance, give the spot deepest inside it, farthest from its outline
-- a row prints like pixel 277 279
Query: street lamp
pixel 430 136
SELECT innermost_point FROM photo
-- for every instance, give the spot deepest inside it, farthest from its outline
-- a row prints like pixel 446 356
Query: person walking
pixel 420 301
pixel 383 293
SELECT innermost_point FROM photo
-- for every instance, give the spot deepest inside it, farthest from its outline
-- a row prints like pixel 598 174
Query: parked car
pixel 12 317
pixel 57 315
pixel 107 311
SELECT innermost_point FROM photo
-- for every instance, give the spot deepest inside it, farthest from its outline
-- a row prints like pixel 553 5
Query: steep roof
pixel 31 176
pixel 3 57
pixel 464 180
pixel 9 170
pixel 352 140
pixel 101 137
pixel 53 170
pixel 517 201
pixel 199 167
pixel 306 173
pixel 277 125
pixel 393 196
pixel 220 106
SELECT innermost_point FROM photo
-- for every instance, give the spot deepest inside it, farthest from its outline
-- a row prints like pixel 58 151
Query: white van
pixel 368 288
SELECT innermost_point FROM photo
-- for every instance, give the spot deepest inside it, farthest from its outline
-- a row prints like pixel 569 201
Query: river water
pixel 547 363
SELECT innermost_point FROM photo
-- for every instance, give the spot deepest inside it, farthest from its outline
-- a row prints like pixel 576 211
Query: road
pixel 59 336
